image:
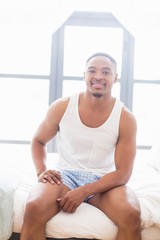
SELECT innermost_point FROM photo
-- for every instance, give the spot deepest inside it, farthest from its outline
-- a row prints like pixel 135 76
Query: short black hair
pixel 103 54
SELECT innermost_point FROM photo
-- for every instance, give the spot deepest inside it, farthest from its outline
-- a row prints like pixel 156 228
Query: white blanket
pixel 7 189
pixel 145 181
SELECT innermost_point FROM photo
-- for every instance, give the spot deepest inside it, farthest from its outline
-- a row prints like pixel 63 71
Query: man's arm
pixel 45 132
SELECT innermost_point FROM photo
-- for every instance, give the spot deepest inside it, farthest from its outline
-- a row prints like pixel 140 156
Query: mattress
pixel 90 222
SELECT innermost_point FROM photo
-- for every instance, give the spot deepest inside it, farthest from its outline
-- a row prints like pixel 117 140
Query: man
pixel 96 139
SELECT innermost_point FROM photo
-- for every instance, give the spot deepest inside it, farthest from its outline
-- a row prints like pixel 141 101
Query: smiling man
pixel 99 73
pixel 96 140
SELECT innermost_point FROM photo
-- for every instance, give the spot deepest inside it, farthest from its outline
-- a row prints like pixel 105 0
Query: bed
pixel 89 222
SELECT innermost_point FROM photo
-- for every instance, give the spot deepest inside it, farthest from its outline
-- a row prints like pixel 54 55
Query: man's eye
pixel 106 73
pixel 91 71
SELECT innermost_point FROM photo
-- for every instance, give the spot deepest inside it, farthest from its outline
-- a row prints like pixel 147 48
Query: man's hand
pixel 71 200
pixel 51 176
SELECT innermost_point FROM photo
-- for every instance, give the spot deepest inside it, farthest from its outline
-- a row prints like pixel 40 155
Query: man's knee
pixel 135 217
pixel 34 211
pixel 131 218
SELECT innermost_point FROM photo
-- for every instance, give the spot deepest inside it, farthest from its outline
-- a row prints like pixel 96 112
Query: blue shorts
pixel 75 179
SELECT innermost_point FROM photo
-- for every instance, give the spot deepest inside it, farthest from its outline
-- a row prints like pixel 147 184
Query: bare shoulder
pixel 128 121
pixel 60 103
pixel 58 108
pixel 126 113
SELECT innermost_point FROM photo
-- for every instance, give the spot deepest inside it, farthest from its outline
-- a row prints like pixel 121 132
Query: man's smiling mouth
pixel 98 84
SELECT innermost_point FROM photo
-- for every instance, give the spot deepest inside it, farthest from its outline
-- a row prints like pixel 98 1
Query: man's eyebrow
pixel 104 68
pixel 91 67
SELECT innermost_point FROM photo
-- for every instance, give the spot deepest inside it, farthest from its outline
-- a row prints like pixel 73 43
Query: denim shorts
pixel 75 179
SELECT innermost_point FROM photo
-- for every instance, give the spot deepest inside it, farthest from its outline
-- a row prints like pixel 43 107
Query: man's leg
pixel 41 207
pixel 122 207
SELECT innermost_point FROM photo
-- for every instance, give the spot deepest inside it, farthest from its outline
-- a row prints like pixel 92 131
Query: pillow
pixel 154 156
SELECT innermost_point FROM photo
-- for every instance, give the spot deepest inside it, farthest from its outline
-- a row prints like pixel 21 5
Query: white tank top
pixel 83 148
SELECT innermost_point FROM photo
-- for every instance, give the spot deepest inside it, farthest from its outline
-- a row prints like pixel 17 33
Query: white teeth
pixel 98 83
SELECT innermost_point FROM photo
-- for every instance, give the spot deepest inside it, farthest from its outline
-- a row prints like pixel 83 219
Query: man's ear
pixel 116 78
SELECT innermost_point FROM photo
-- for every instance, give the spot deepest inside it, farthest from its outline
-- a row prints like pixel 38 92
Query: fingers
pixel 67 206
pixel 51 176
pixel 69 202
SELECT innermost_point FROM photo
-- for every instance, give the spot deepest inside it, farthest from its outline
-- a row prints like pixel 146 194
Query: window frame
pixel 91 19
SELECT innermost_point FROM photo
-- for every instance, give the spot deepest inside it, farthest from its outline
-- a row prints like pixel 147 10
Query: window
pixel 82 41
pixel 24 81
pixel 83 34
pixel 48 67
pixel 145 99
pixel 139 77
pixel 147 51
pixel 25 50
pixel 23 103
pixel 146 86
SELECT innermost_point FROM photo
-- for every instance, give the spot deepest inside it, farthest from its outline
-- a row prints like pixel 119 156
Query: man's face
pixel 100 74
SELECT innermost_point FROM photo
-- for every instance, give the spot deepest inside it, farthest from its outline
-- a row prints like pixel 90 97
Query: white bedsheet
pixel 7 188
pixel 145 181
pixel 90 222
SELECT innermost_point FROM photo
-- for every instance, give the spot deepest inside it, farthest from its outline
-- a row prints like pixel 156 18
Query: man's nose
pixel 98 75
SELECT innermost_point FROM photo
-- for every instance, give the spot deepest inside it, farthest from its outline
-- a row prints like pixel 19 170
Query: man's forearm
pixel 38 151
pixel 106 183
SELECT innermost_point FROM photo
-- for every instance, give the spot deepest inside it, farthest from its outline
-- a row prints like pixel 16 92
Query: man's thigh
pixel 116 202
pixel 44 196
